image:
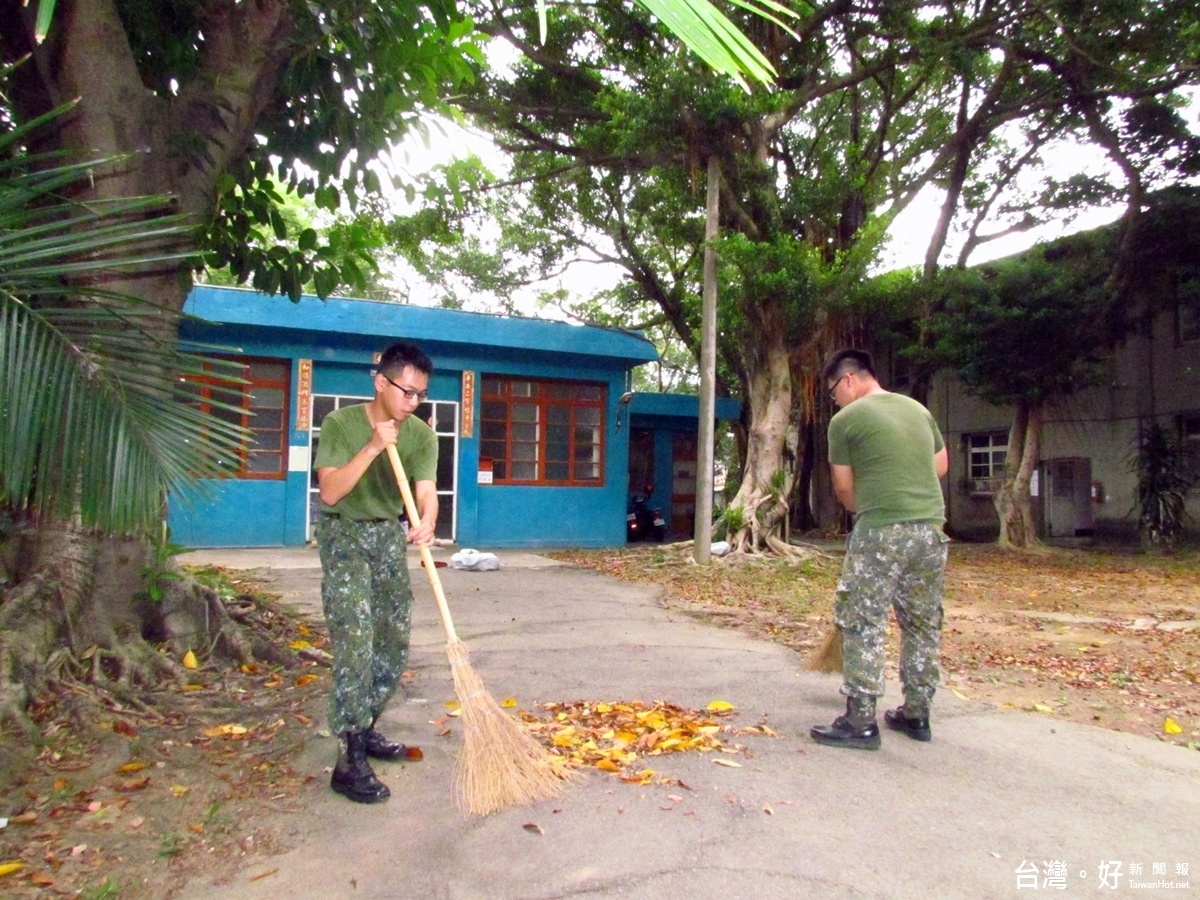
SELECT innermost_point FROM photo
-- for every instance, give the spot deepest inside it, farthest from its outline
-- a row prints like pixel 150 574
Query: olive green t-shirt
pixel 889 440
pixel 347 430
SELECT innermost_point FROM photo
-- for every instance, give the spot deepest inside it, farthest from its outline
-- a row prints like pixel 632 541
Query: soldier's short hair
pixel 401 354
pixel 846 361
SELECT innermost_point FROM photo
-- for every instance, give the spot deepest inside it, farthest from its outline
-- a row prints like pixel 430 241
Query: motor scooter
pixel 643 522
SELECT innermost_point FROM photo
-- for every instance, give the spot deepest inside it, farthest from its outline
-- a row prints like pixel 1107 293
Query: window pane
pixel 267 420
pixel 493 431
pixel 522 432
pixel 523 389
pixel 445 417
pixel 588 472
pixel 269 371
pixel 557 471
pixel 524 412
pixel 558 452
pixel 491 449
pixel 266 398
pixel 493 409
pixel 524 471
pixel 558 414
pixel 559 391
pixel 492 386
pixel 322 406
pixel 592 392
pixel 524 451
pixel 500 470
pixel 260 463
pixel 587 415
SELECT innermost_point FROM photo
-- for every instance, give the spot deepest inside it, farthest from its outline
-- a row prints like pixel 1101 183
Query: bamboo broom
pixel 828 656
pixel 501 764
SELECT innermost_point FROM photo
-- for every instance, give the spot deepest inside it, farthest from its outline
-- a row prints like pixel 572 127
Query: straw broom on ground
pixel 501 764
pixel 828 656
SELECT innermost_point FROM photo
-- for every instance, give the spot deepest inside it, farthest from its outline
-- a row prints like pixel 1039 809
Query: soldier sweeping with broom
pixel 887 456
pixel 365 588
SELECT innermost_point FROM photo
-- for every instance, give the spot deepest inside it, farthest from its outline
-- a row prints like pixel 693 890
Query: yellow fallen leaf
pixel 193 687
pixel 451 704
pixel 189 660
pixel 10 867
pixel 178 790
pixel 1042 707
pixel 455 712
pixel 720 706
pixel 607 765
pixel 728 762
pixel 300 645
pixel 509 702
pixel 131 767
pixel 957 693
pixel 222 730
pixel 305 679
pixel 1170 726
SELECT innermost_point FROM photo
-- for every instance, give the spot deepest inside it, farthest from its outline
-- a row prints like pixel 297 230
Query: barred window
pixel 260 405
pixel 538 431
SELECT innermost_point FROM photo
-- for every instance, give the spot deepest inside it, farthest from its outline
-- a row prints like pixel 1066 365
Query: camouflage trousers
pixel 367 598
pixel 901 567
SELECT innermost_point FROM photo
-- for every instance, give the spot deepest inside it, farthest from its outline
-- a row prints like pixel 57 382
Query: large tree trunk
pixel 77 609
pixel 1013 501
pixel 770 459
pixel 72 604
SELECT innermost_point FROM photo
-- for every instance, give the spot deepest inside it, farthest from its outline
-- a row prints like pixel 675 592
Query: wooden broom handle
pixel 410 507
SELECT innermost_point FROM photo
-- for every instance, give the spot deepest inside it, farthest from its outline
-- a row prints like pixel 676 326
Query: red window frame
pixel 542 431
pixel 257 397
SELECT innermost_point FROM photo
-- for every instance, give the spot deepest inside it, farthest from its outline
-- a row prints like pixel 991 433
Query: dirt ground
pixel 1101 638
pixel 132 803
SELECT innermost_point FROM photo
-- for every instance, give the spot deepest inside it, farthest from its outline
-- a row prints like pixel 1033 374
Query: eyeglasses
pixel 833 390
pixel 419 396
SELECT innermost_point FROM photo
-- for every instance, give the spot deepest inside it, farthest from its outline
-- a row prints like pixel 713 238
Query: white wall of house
pixel 1154 375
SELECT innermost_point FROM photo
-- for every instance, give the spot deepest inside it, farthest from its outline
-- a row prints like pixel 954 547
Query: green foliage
pixel 734 518
pixel 110 889
pixel 1163 481
pixel 158 570
pixel 1029 328
pixel 90 417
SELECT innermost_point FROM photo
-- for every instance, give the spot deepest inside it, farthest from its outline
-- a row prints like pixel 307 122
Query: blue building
pixel 534 420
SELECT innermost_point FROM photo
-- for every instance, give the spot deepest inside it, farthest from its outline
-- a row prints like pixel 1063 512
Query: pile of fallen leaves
pixel 617 736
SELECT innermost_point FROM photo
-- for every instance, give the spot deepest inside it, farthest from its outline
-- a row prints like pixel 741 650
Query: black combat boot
pixel 353 776
pixel 857 728
pixel 379 747
pixel 915 726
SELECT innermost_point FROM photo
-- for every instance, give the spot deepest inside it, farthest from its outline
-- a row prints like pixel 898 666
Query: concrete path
pixel 994 796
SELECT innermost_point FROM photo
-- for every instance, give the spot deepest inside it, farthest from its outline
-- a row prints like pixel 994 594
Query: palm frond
pixel 94 419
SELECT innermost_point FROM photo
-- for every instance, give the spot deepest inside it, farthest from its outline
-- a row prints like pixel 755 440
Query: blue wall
pixel 341 337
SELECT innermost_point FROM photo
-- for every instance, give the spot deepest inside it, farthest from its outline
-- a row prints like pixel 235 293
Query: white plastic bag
pixel 475 561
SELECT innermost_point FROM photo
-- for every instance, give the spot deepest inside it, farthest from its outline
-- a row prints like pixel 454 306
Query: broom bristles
pixel 828 656
pixel 501 764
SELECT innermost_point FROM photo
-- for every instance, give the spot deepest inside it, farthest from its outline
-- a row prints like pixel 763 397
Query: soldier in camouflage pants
pixel 898 566
pixel 367 599
pixel 886 458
